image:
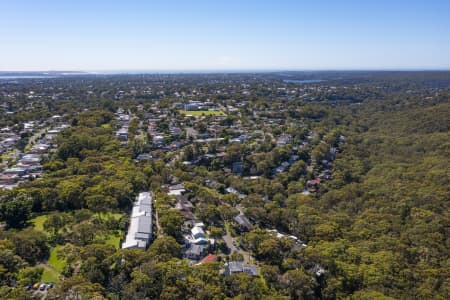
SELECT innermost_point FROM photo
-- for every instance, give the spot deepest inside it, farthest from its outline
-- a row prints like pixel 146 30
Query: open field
pixel 57 263
pixel 113 239
pixel 202 112
pixel 50 274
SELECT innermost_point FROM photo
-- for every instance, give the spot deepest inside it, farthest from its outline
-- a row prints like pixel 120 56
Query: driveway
pixel 229 241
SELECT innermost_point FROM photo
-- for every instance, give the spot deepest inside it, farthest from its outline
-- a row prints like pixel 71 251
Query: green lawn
pixel 50 274
pixel 202 112
pixel 116 216
pixel 38 223
pixel 57 263
pixel 113 239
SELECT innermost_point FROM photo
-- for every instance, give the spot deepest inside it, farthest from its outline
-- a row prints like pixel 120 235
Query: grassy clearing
pixel 55 262
pixel 38 223
pixel 50 274
pixel 113 239
pixel 116 216
pixel 202 112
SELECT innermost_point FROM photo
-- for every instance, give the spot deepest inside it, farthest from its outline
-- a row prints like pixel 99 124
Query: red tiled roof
pixel 315 181
pixel 208 258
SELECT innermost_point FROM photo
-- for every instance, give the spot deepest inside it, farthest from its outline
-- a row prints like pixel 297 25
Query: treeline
pixel 381 226
pixel 89 170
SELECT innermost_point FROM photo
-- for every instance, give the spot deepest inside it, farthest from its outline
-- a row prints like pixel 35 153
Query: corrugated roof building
pixel 140 230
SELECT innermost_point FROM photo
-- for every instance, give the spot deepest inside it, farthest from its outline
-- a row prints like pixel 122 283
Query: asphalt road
pixel 229 242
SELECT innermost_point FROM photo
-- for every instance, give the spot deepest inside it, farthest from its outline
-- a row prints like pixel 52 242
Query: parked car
pixel 43 287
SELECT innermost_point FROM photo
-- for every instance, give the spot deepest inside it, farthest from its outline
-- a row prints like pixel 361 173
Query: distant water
pixel 302 81
pixel 25 77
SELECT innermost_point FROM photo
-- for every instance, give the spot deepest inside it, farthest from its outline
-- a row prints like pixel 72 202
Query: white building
pixel 197 236
pixel 140 231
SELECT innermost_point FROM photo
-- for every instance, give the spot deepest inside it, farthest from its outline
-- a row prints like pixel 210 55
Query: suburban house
pixel 198 245
pixel 177 189
pixel 198 235
pixel 186 208
pixel 144 156
pixel 243 224
pixel 122 134
pixel 196 252
pixel 313 184
pixel 209 258
pixel 234 267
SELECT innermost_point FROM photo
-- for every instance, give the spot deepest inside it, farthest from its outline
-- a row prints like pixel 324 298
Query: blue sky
pixel 224 35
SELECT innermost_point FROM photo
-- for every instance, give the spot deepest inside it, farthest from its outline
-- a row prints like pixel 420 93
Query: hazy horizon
pixel 225 71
